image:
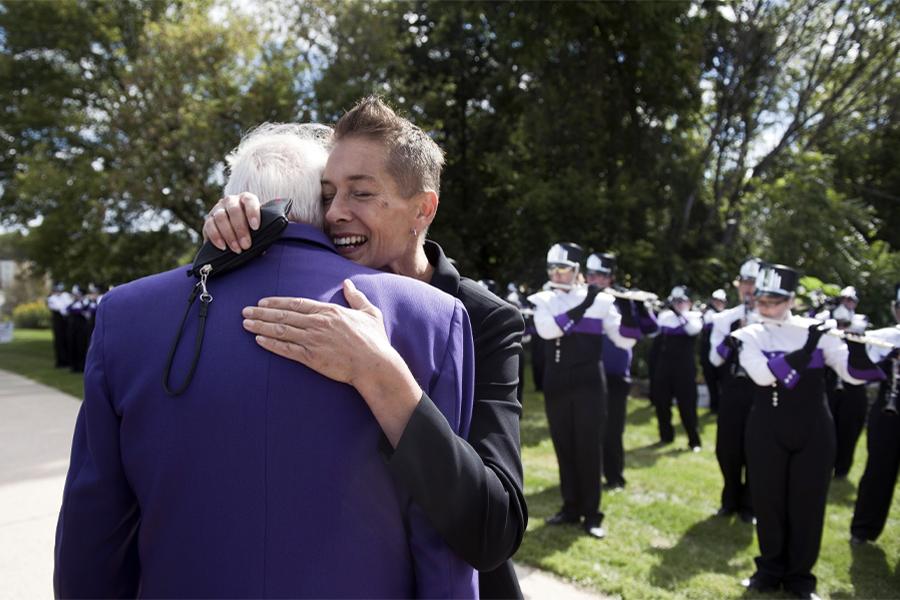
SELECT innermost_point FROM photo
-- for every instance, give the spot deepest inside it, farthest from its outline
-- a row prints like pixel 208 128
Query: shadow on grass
pixel 707 546
pixel 533 426
pixel 871 574
pixel 645 457
pixel 841 491
pixel 642 415
pixel 545 540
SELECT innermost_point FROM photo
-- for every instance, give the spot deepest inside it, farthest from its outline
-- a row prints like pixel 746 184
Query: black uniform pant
pixel 577 417
pixel 849 404
pixel 713 383
pixel 613 450
pixel 737 399
pixel 790 454
pixel 60 339
pixel 876 488
pixel 675 379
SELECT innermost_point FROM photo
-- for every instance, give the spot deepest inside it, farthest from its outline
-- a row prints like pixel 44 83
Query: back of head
pixel 283 160
pixel 414 159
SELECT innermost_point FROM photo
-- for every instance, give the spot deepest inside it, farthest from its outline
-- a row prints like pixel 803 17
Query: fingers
pixel 234 206
pixel 211 233
pixel 297 305
pixel 221 221
pixel 357 300
pixel 288 350
pixel 251 209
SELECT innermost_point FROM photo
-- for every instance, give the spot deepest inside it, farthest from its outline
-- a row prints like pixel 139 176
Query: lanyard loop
pixel 205 300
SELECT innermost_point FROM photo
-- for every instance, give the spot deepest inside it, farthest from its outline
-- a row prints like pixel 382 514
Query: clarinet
pixel 890 406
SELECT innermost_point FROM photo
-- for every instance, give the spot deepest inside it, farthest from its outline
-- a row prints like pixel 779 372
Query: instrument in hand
pixel 636 296
pixel 890 405
pixel 856 338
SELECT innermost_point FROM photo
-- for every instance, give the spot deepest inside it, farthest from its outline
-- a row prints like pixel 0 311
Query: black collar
pixel 445 276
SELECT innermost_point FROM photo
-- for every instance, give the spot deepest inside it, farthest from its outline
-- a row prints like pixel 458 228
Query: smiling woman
pixel 380 193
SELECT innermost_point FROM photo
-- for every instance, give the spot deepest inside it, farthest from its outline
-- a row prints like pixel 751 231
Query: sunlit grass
pixel 662 540
pixel 31 354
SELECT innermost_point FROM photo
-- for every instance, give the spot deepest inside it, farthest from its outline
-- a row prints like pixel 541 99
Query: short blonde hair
pixel 414 159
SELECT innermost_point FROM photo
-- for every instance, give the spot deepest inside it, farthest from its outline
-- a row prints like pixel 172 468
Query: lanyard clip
pixel 205 296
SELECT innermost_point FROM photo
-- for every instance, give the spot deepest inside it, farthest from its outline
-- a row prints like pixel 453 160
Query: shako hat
pixel 680 292
pixel 604 263
pixel 776 280
pixel 568 254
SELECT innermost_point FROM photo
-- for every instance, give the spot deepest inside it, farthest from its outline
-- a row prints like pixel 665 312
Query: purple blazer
pixel 263 479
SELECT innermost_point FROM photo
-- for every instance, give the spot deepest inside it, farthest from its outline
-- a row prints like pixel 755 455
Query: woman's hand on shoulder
pixel 230 221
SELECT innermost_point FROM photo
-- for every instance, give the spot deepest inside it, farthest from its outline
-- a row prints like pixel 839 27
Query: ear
pixel 426 208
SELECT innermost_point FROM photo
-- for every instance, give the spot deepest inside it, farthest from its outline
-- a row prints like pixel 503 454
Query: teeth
pixel 350 240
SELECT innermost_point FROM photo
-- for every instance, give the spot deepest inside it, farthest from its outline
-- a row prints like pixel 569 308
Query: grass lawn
pixel 662 540
pixel 31 354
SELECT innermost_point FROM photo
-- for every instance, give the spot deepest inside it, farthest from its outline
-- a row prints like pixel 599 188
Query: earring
pixel 414 232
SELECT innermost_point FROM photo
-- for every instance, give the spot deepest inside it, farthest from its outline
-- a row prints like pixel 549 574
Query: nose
pixel 338 210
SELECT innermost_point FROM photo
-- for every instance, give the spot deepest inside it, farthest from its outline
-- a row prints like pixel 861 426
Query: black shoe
pixel 747 517
pixel 562 518
pixel 757 585
pixel 664 442
pixel 614 485
pixel 858 541
pixel 804 595
pixel 725 512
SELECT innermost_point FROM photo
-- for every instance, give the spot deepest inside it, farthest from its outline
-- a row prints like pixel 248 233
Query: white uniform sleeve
pixel 721 329
pixel 544 319
pixel 611 324
pixel 693 322
pixel 753 360
pixel 836 355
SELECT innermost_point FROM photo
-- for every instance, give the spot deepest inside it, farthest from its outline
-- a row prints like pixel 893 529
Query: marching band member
pixel 717 302
pixel 573 317
pixel 790 433
pixel 600 271
pixel 674 371
pixel 876 488
pixel 737 396
pixel 848 402
pixel 58 302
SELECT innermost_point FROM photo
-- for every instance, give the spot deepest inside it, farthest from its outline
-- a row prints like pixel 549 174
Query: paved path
pixel 36 425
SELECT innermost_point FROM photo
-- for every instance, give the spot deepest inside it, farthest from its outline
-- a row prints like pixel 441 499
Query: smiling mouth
pixel 348 242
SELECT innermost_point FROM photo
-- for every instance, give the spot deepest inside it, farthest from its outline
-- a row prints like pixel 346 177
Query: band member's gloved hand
pixel 799 359
pixel 859 359
pixel 578 312
pixel 734 344
pixel 629 319
pixel 642 310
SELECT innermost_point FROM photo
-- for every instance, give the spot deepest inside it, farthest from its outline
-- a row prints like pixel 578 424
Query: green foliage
pixel 684 136
pixel 31 315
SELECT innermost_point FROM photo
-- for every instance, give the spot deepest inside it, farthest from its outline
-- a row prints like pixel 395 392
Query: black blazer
pixel 471 490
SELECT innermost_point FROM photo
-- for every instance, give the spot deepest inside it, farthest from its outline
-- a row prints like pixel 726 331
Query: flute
pixel 857 338
pixel 636 296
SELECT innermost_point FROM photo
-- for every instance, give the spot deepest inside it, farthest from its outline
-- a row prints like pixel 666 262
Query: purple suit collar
pixel 307 233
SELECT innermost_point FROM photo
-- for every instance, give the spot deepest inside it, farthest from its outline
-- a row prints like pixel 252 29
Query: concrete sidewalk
pixel 36 425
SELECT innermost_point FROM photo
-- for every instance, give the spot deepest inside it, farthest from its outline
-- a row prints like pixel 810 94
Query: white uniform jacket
pixel 764 345
pixel 719 351
pixel 601 318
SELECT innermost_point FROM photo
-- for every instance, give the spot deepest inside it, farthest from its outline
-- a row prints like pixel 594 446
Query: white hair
pixel 283 160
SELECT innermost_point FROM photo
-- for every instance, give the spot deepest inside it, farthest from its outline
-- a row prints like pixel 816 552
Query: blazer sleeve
pixel 471 488
pixel 96 536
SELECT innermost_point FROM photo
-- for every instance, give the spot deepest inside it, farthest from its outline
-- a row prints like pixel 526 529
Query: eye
pixel 327 198
pixel 362 194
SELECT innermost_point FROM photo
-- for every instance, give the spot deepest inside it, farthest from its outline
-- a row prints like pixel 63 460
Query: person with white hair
pixel 381 190
pixel 259 477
